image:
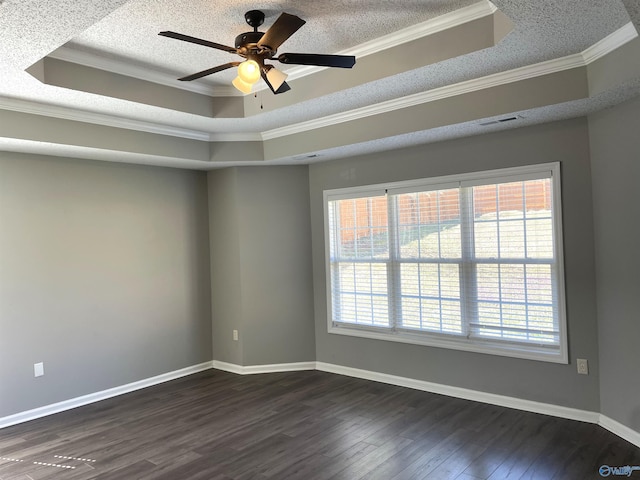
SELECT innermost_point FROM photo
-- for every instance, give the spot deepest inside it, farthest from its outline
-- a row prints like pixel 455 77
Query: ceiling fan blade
pixel 283 88
pixel 199 41
pixel 285 26
pixel 208 71
pixel 342 61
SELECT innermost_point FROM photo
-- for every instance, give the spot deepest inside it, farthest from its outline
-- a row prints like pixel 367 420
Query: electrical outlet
pixel 583 366
pixel 38 369
pixel 235 335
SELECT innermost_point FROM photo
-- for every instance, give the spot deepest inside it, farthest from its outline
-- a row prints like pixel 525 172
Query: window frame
pixel 435 339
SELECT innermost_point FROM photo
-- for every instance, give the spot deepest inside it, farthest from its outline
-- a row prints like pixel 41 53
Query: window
pixel 470 262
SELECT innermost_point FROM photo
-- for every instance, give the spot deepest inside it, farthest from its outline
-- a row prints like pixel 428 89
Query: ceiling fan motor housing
pixel 247 46
pixel 247 39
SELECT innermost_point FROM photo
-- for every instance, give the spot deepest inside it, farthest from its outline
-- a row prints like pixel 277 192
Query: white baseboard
pixel 467 394
pixel 613 426
pixel 254 369
pixel 620 430
pixel 102 395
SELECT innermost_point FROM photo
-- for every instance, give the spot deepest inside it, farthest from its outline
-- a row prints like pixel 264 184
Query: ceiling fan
pixel 256 47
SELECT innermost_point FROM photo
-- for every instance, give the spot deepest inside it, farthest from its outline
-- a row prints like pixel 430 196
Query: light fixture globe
pixel 275 77
pixel 241 85
pixel 249 71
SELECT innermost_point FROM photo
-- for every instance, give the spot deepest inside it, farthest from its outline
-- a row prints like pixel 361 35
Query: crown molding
pixel 120 67
pixel 603 47
pixel 440 93
pixel 77 115
pixel 423 29
pixel 609 43
pixel 235 137
pixel 429 27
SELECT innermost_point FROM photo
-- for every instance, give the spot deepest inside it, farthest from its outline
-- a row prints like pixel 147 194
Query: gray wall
pixel 104 276
pixel 261 265
pixel 105 272
pixel 615 163
pixel 224 238
pixel 566 142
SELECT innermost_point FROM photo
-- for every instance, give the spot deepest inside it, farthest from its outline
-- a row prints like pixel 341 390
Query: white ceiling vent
pixel 306 156
pixel 501 120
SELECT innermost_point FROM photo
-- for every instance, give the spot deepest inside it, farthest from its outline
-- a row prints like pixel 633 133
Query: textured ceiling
pixel 331 27
pixel 121 32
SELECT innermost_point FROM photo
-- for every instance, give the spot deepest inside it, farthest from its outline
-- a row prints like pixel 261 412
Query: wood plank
pixel 302 425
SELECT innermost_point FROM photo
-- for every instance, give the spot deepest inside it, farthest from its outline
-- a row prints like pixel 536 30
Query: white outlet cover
pixel 583 366
pixel 38 369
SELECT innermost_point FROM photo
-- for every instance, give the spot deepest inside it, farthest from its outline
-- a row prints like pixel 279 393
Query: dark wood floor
pixel 303 425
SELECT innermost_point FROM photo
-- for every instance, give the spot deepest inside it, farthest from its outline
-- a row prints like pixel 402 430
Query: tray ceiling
pixel 427 70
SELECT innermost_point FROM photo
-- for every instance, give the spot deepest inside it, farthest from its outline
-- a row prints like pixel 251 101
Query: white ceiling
pixel 120 36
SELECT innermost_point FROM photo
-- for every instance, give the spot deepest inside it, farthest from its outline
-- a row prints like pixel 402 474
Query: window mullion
pixel 439 227
pixel 525 266
pixel 335 262
pixel 468 277
pixel 394 287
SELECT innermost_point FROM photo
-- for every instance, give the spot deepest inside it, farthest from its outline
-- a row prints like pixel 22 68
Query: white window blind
pixel 470 262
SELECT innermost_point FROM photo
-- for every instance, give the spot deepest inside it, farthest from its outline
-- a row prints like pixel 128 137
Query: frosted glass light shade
pixel 249 71
pixel 276 78
pixel 241 85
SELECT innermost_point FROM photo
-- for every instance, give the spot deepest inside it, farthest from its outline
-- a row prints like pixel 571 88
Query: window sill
pixel 506 350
